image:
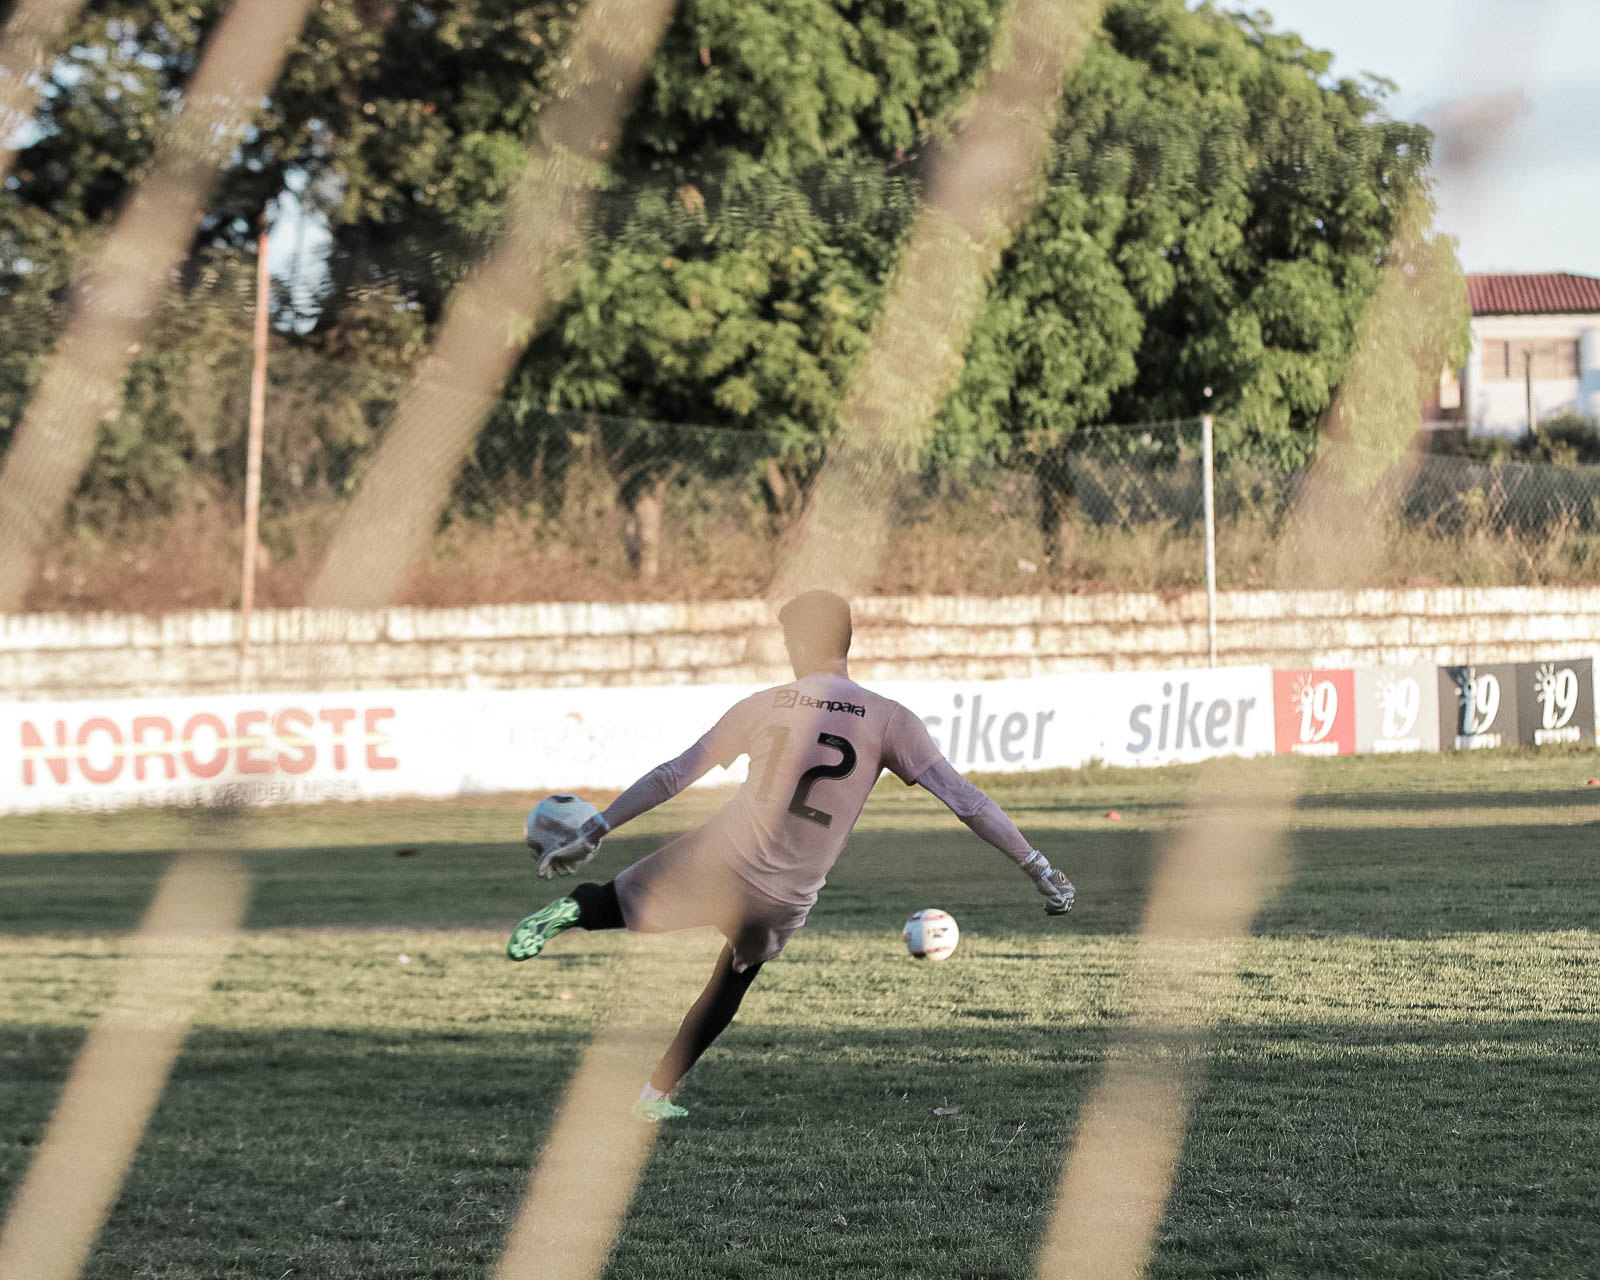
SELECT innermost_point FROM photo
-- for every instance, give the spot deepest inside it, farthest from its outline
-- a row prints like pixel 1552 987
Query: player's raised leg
pixel 589 906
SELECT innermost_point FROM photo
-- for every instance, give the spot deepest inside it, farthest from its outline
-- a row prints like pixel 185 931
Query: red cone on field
pixel 1113 816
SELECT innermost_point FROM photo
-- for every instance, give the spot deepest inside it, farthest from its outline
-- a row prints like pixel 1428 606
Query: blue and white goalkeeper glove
pixel 1059 895
pixel 565 860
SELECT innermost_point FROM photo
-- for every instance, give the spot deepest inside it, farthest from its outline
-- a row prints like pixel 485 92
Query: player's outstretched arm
pixel 656 787
pixel 659 785
pixel 990 822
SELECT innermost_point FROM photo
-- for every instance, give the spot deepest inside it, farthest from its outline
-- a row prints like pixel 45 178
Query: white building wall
pixel 1501 408
pixel 1589 371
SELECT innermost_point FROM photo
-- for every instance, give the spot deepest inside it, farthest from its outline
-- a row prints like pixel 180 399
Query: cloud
pixel 1468 130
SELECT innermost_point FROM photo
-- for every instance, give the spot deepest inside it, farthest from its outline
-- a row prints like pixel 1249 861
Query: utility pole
pixel 1527 383
pixel 1208 475
pixel 252 469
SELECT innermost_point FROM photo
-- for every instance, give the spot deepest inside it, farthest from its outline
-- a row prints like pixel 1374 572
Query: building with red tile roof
pixel 1555 293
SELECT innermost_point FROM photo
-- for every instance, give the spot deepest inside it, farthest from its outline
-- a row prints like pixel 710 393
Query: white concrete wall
pixel 732 642
pixel 1589 372
pixel 1501 408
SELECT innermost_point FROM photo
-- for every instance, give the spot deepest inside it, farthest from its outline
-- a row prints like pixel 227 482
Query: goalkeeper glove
pixel 1059 895
pixel 565 860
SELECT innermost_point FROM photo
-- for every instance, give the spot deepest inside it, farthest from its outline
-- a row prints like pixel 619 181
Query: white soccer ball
pixel 931 934
pixel 555 820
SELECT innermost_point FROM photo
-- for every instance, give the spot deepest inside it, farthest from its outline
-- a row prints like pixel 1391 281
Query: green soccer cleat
pixel 532 932
pixel 654 1111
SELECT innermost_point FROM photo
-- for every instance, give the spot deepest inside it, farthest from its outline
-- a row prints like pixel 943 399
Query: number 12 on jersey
pixel 841 768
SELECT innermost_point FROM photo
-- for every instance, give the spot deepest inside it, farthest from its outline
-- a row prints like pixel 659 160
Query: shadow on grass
pixel 1576 794
pixel 312 1152
pixel 1384 882
pixel 1462 1148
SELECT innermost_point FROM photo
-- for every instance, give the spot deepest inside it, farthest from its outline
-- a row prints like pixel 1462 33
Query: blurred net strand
pixel 26 43
pixel 996 166
pixel 980 192
pixel 1117 1176
pixel 1335 495
pixel 494 312
pixel 586 1175
pixel 588 1171
pixel 1225 862
pixel 118 1077
pixel 116 299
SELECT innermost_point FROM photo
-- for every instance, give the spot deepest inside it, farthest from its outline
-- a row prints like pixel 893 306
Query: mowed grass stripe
pixel 1402 1082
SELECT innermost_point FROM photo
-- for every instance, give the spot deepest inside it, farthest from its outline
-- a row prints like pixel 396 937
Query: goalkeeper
pixel 816 748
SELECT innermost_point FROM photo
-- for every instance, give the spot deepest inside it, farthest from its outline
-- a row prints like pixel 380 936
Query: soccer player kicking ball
pixel 816 748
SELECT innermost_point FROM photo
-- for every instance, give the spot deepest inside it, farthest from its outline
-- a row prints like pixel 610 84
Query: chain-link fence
pixel 586 506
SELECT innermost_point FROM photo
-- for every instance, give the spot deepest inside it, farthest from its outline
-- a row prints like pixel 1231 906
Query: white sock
pixel 650 1093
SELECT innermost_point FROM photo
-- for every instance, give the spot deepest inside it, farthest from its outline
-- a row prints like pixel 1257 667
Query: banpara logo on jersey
pixel 786 699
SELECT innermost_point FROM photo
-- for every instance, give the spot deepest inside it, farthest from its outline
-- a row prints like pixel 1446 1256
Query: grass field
pixel 1405 1080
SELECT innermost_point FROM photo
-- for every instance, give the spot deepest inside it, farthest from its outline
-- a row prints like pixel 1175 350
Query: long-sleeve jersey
pixel 816 748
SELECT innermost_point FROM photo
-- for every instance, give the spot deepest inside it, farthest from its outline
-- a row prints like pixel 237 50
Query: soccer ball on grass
pixel 931 934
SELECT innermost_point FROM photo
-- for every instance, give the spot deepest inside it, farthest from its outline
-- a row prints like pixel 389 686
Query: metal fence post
pixel 1207 448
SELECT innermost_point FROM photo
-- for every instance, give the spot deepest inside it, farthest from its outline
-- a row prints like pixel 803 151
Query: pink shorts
pixel 690 884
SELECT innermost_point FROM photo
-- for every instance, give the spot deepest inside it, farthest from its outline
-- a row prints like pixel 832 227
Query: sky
pixel 1512 87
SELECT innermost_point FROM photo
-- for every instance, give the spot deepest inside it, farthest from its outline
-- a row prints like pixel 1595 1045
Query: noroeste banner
pixel 285 748
pixel 300 748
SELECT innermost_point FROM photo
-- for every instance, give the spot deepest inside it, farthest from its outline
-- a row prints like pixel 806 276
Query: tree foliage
pixel 1217 216
pixel 1218 213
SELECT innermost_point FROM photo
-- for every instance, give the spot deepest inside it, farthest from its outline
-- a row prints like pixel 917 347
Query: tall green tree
pixel 1216 220
pixel 106 102
pixel 771 172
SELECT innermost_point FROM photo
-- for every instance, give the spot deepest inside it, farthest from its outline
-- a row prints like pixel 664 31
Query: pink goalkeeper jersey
pixel 816 748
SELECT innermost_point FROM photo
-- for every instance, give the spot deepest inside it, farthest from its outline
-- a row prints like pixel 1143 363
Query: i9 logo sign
pixel 1477 705
pixel 1556 690
pixel 1315 712
pixel 1397 709
pixel 1401 702
pixel 1480 701
pixel 1557 702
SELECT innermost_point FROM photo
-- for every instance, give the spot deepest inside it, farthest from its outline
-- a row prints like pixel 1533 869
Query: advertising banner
pixel 537 739
pixel 1170 717
pixel 1555 702
pixel 1315 712
pixel 283 748
pixel 996 726
pixel 300 748
pixel 1397 709
pixel 1477 706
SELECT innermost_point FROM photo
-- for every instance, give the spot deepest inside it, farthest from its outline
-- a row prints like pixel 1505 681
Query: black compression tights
pixel 707 1019
pixel 599 908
